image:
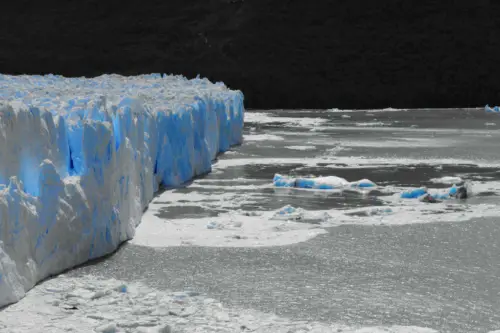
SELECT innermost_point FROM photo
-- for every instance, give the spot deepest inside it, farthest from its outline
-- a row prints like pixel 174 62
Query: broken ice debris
pixel 289 213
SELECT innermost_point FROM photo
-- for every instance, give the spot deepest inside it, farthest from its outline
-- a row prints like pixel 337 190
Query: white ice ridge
pixel 80 159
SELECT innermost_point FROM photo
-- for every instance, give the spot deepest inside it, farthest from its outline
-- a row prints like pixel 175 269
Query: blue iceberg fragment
pixel 321 183
pixel 423 194
pixel 489 109
pixel 414 193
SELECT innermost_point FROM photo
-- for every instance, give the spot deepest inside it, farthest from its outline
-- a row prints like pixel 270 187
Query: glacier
pixel 81 158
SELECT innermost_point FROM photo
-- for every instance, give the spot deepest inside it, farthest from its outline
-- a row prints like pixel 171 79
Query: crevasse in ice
pixel 80 159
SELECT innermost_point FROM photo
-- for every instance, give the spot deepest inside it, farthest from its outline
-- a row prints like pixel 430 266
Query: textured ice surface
pixel 81 158
pixel 89 304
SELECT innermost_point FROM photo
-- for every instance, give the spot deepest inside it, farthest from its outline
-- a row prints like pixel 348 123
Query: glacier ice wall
pixel 80 159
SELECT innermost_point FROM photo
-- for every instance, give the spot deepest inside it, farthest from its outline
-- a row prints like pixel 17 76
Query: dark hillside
pixel 281 54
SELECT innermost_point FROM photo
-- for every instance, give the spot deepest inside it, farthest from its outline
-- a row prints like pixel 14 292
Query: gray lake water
pixel 443 275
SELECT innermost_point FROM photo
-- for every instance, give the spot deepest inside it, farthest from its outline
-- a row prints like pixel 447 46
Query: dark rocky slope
pixel 282 54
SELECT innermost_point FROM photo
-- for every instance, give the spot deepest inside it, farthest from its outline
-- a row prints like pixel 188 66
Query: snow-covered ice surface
pixel 80 159
pixel 364 260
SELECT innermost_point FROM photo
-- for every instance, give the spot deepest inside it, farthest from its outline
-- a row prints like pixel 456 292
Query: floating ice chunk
pixel 283 181
pixel 451 180
pixel 371 211
pixel 489 109
pixel 301 147
pixel 121 288
pixel 212 225
pixel 414 193
pixel 445 194
pixel 322 183
pixel 459 191
pixel 288 213
pixel 423 194
pixel 435 196
pixel 363 183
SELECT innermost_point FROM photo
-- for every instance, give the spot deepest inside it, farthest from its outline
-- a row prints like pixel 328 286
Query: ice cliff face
pixel 80 159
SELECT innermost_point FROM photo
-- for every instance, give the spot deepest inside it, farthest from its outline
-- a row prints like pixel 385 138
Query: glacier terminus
pixel 80 159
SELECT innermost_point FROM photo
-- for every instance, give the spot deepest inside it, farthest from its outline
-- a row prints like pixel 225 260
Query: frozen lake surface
pixel 354 260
